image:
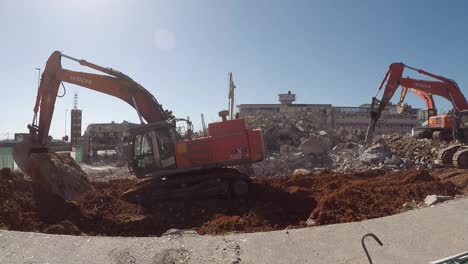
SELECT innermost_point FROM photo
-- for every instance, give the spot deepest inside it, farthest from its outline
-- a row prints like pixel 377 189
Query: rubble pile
pixel 274 203
pixel 420 151
pixel 305 141
pixel 299 141
pixel 284 129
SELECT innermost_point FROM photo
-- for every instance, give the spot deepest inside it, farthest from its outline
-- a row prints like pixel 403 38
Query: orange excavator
pixel 423 131
pixel 442 127
pixel 181 166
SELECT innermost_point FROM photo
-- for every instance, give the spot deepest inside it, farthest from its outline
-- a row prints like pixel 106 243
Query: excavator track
pixel 460 158
pixel 224 183
pixel 446 155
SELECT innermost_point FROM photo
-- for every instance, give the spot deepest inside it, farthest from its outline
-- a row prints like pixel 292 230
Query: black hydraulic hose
pixel 64 91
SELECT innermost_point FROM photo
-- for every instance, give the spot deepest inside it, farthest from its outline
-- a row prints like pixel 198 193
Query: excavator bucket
pixel 54 173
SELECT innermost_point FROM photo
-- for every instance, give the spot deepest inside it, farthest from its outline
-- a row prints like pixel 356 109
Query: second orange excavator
pixel 181 166
pixel 439 127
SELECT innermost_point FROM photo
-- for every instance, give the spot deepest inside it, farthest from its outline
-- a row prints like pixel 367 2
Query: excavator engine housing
pixel 157 150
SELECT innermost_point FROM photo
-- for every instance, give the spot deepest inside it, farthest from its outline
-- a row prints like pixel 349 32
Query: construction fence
pixel 6 156
pixel 6 162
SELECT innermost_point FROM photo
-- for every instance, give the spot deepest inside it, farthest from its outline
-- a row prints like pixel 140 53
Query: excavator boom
pixel 115 84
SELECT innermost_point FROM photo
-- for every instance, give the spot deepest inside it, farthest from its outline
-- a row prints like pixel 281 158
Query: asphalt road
pixel 418 236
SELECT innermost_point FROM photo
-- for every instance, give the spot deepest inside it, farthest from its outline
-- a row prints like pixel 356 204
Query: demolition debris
pixel 303 141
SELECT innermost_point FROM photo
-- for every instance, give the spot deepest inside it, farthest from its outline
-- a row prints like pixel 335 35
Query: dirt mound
pixel 356 199
pixel 459 177
pixel 58 173
pixel 17 211
pixel 332 198
pixel 274 203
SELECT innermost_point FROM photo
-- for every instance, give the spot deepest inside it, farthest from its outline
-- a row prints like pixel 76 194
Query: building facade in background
pixel 104 137
pixel 76 121
pixel 353 117
pixel 390 121
pixel 75 127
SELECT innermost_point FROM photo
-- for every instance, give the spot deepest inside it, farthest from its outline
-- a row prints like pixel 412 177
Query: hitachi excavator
pixel 441 127
pixel 181 166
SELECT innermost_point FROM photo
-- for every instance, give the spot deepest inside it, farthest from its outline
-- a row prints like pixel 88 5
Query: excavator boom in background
pixel 439 127
pixel 156 149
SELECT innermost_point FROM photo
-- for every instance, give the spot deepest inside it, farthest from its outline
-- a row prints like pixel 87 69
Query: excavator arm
pixel 114 83
pixel 53 173
pixel 427 98
pixel 442 86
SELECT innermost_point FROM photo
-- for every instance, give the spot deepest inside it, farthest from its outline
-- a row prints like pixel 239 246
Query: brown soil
pixel 459 177
pixel 274 203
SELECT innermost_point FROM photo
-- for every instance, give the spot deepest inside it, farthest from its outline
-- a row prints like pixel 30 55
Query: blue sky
pixel 182 51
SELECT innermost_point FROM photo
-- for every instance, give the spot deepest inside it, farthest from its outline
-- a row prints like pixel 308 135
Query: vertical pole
pixel 231 114
pixel 38 76
pixel 38 85
pixel 229 93
pixel 203 125
pixel 66 114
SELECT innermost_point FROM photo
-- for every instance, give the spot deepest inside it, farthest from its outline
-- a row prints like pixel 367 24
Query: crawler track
pixel 446 155
pixel 460 158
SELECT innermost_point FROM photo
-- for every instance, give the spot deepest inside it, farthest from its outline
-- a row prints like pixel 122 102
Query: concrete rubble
pixel 434 199
pixel 430 200
pixel 305 142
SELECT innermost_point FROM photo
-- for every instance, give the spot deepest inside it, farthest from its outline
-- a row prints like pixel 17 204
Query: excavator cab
pixel 151 148
pixel 463 116
pixel 462 124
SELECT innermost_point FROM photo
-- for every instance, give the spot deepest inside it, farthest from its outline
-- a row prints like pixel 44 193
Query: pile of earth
pixel 274 203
